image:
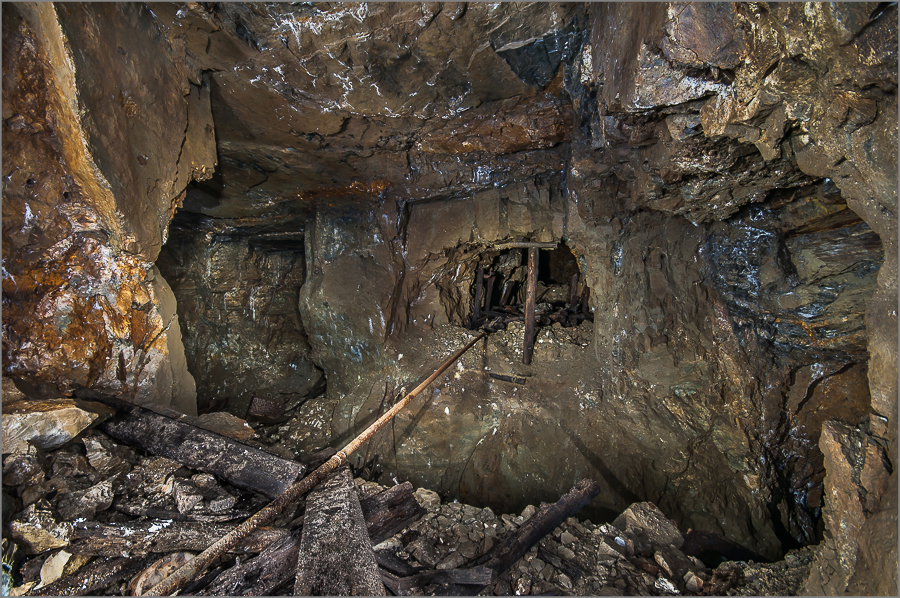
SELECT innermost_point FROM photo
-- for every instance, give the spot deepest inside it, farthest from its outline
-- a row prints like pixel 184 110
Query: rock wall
pixel 387 295
pixel 810 87
pixel 102 132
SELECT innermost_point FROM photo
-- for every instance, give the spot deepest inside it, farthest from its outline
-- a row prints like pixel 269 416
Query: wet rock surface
pixel 85 209
pixel 723 176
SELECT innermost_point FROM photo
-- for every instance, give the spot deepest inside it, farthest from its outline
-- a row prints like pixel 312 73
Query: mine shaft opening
pixel 500 288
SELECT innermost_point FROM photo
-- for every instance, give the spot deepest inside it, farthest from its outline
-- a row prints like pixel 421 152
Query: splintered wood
pixel 336 557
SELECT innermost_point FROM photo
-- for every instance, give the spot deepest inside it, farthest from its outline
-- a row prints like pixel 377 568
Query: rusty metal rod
pixel 530 291
pixel 195 566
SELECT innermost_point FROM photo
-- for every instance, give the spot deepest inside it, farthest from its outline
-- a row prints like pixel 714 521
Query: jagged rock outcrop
pixel 102 132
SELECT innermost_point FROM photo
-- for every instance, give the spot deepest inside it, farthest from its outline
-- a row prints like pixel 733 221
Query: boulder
pixel 649 521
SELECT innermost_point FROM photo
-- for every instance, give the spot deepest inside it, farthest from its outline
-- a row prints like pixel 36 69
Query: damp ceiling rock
pixel 212 200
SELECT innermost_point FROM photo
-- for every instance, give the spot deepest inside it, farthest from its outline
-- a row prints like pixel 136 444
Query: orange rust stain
pixel 351 190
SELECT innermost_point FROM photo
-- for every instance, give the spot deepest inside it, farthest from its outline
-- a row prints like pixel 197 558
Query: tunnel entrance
pixel 503 290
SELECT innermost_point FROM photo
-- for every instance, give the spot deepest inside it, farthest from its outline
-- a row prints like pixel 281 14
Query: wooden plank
pixel 389 511
pixel 530 291
pixel 239 464
pixel 336 557
pixel 142 537
pixel 260 575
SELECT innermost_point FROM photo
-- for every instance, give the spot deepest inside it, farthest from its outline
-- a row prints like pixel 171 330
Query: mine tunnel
pixel 675 225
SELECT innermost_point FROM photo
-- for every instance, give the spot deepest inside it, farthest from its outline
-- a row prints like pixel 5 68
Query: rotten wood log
pixel 143 537
pixel 505 554
pixel 95 576
pixel 336 557
pixel 544 521
pixel 388 561
pixel 239 464
pixel 530 290
pixel 476 309
pixel 389 511
pixel 476 576
pixel 259 576
pixel 193 568
pixel 157 513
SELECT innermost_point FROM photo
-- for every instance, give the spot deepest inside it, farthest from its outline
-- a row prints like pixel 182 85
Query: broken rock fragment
pixel 37 529
pixel 24 467
pixel 47 424
pixel 659 529
pixel 86 503
pixel 186 495
pixel 225 424
pixel 107 457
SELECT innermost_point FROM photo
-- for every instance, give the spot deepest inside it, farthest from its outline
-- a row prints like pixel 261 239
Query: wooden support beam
pixel 573 289
pixel 530 292
pixel 476 310
pixel 525 245
pixel 489 283
pixel 336 557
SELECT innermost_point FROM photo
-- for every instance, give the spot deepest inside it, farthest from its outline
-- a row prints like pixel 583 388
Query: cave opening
pixel 314 205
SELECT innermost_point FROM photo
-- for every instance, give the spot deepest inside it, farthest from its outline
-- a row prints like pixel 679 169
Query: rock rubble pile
pixel 64 505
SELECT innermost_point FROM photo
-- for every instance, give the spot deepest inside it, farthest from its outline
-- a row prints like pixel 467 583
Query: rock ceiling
pixel 318 100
